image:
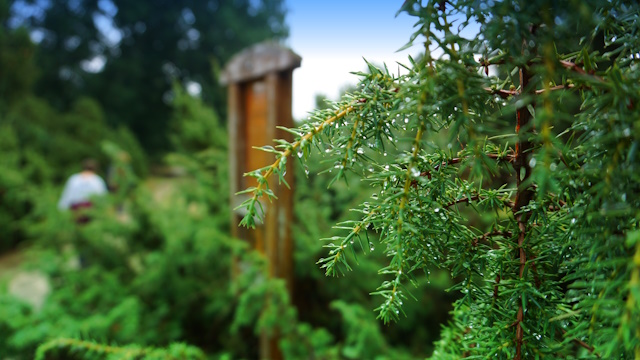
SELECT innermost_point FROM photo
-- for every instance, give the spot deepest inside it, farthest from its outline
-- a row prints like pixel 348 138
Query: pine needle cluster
pixel 510 158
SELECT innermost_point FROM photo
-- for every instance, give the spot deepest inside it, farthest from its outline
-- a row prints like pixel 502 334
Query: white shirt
pixel 79 188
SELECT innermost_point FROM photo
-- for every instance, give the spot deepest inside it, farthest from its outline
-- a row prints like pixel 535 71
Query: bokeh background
pixel 135 85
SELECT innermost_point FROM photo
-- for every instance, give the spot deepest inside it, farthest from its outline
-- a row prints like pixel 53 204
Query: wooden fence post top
pixel 259 60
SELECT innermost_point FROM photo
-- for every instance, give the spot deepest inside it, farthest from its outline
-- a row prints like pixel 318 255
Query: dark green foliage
pixel 17 63
pixel 317 208
pixel 42 146
pixel 127 54
pixel 76 349
pixel 148 277
pixel 128 142
pixel 150 270
pixel 62 140
pixel 538 225
pixel 195 128
pixel 14 202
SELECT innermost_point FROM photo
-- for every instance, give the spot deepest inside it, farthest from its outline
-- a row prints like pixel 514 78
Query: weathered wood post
pixel 259 91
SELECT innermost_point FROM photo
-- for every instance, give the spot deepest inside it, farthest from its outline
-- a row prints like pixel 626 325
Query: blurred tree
pixel 126 54
pixel 194 126
pixel 17 61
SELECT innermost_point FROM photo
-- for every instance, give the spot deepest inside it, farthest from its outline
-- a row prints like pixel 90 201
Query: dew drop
pixel 437 210
pixel 360 151
pixel 553 167
pixel 300 154
pixel 532 162
pixel 415 172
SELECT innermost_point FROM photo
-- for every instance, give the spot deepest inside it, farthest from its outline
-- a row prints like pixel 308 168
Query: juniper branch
pixel 249 219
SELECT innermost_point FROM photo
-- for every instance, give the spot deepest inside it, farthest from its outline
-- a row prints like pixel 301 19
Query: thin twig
pixel 504 233
pixel 262 185
pixel 581 343
pixel 505 94
pixel 507 203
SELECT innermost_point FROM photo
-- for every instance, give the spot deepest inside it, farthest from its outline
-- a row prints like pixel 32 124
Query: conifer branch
pixel 485 63
pixel 337 256
pixel 263 186
pixel 390 306
pixel 485 236
pixel 507 203
pixel 349 149
pixel 457 160
pixel 505 94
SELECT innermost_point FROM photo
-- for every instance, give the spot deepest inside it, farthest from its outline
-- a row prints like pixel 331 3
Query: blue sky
pixel 333 37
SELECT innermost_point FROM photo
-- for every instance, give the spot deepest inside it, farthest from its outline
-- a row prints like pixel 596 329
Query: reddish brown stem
pixel 505 94
pixel 485 63
pixel 581 343
pixel 524 193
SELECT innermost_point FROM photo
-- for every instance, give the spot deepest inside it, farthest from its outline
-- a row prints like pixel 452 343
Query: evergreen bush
pixel 516 169
pixel 155 271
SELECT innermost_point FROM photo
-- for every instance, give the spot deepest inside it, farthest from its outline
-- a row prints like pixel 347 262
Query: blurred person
pixel 80 188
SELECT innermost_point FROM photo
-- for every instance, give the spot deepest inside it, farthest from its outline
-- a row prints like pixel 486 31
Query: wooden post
pixel 259 87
